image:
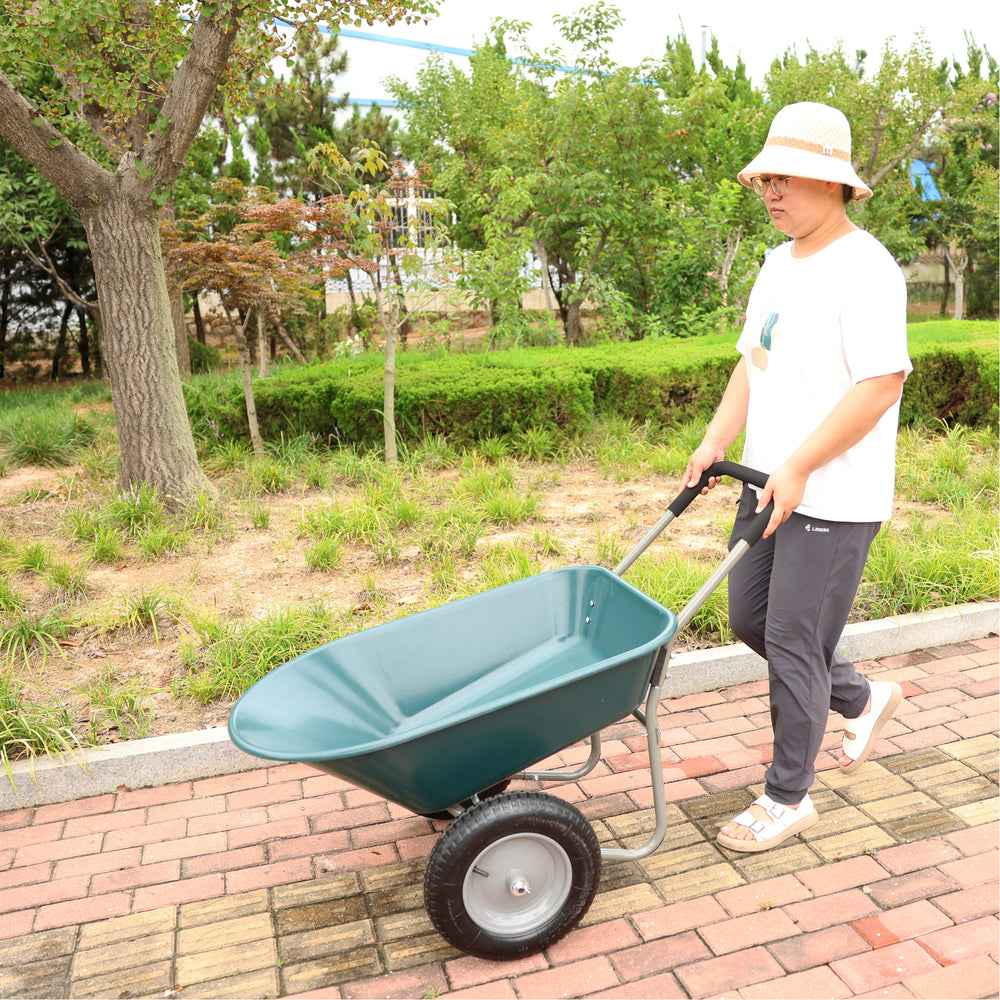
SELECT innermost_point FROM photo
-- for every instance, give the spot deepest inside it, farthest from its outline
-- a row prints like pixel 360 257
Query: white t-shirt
pixel 815 327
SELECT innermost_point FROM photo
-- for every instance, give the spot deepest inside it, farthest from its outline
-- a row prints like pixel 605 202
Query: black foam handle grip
pixel 684 499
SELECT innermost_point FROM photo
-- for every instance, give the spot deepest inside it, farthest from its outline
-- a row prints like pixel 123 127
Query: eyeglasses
pixel 778 185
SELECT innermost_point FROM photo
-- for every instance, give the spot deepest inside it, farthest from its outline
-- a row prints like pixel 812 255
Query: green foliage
pixel 234 656
pixel 532 396
pixel 67 580
pixel 204 357
pixel 45 435
pixel 933 563
pixel 106 545
pixel 31 726
pixel 326 554
pixel 27 632
pixel 953 385
pixel 952 468
pixel 120 705
pixel 134 510
pixel 10 599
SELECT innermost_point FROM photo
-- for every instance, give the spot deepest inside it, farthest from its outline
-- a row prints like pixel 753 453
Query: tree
pixel 43 251
pixel 290 122
pixel 367 224
pixel 563 160
pixel 699 251
pixel 232 251
pixel 963 154
pixel 142 76
pixel 891 112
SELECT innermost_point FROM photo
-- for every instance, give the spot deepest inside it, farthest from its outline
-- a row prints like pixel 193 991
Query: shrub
pixel 204 357
pixel 470 398
pixel 956 386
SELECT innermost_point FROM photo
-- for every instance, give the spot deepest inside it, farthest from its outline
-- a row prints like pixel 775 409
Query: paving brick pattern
pixel 285 882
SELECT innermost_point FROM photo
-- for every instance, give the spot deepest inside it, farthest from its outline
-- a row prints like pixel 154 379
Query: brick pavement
pixel 286 882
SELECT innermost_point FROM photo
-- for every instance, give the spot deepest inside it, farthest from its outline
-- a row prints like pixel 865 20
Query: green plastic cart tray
pixel 433 708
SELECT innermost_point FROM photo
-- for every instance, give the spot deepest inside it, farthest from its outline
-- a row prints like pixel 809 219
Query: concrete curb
pixel 209 753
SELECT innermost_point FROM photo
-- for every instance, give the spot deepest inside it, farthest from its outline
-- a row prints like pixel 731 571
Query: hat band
pixel 808 147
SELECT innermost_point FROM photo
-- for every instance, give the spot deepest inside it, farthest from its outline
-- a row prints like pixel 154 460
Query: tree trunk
pixel 958 266
pixel 261 344
pixel 199 322
pixel 289 343
pixel 733 241
pixel 571 318
pixel 246 370
pixel 84 341
pixel 543 260
pixel 179 324
pixel 389 319
pixel 4 319
pixel 947 286
pixel 389 396
pixel 177 310
pixel 60 351
pixel 138 348
pixel 402 323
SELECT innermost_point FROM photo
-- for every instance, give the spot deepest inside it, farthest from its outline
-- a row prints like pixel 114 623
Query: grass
pixel 30 726
pixel 45 435
pixel 227 655
pixel 27 632
pixel 122 705
pixel 460 522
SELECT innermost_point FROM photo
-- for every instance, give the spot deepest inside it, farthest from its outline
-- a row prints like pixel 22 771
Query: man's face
pixel 806 205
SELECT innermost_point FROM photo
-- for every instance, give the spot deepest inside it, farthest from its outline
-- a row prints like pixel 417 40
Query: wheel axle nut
pixel 518 884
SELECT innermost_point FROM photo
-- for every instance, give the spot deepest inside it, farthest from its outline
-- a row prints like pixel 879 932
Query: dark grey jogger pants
pixel 789 600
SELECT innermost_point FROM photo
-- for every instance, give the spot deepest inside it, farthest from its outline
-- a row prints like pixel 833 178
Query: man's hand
pixel 785 486
pixel 705 455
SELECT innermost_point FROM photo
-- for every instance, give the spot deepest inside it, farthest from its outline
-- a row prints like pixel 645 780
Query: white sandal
pixel 785 822
pixel 860 733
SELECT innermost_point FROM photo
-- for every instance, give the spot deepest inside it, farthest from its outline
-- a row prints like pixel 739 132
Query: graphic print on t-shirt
pixel 767 333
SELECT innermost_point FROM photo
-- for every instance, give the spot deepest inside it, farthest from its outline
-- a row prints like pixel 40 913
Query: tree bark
pixel 177 316
pixel 262 344
pixel 958 266
pixel 289 343
pixel 179 323
pixel 389 319
pixel 389 396
pixel 543 260
pixel 4 317
pixel 946 291
pixel 60 351
pixel 84 341
pixel 571 318
pixel 199 322
pixel 138 347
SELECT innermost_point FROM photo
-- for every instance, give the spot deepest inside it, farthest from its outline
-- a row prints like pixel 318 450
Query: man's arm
pixel 848 422
pixel 729 419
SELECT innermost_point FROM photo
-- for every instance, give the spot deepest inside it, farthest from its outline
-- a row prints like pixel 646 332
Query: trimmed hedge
pixel 468 397
pixel 957 386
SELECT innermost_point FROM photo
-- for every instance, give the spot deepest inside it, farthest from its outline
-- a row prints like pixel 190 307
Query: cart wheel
pixel 511 875
pixel 500 786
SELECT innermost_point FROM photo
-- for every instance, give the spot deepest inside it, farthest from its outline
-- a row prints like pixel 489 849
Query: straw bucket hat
pixel 807 140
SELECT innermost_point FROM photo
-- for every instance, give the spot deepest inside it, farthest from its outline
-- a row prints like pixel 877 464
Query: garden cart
pixel 440 710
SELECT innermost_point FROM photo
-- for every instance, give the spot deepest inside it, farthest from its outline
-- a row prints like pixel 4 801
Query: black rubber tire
pixel 500 786
pixel 561 860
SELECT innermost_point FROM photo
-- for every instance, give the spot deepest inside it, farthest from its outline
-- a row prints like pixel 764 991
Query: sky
pixel 755 32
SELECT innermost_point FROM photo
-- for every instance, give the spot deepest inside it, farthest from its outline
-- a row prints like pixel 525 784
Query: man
pixel 817 390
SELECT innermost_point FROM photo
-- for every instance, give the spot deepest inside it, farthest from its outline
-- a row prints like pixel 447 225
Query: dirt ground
pixel 259 570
